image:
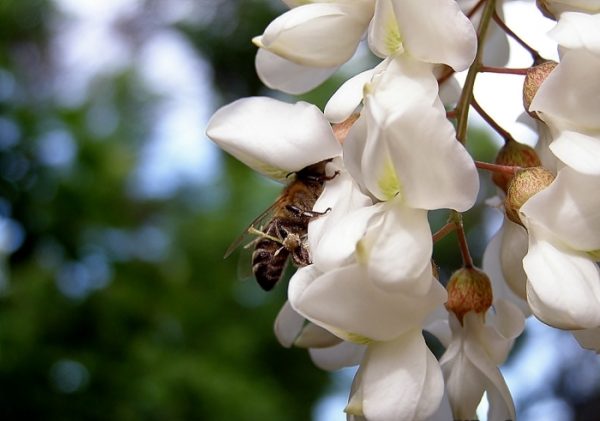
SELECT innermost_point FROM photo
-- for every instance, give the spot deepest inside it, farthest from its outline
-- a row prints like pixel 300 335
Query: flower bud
pixel 469 289
pixel 514 154
pixel 525 183
pixel 533 80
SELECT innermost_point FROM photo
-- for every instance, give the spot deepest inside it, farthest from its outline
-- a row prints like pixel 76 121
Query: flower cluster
pixel 371 286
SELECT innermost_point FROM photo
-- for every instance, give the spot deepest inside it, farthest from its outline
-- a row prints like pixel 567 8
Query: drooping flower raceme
pixel 371 287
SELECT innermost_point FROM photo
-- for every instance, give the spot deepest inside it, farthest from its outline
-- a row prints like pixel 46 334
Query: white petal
pixel 399 231
pixel 570 209
pixel 577 107
pixel 563 288
pixel 512 251
pixel 345 100
pixel 332 237
pixel 579 151
pixel 288 325
pixel 422 138
pixel 578 30
pixel 501 404
pixel 310 34
pixel 313 336
pixel 437 324
pixel 343 302
pixel 588 338
pixel 384 34
pixel 504 323
pixel 492 266
pixel 401 380
pixel 273 137
pixel 464 384
pixel 345 354
pixel 286 76
pixel 440 34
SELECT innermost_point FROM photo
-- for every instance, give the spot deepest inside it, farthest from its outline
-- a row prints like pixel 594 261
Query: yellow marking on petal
pixel 388 182
pixel 362 254
pixel 358 339
pixel 393 39
pixel 350 337
pixel 367 89
pixel 594 254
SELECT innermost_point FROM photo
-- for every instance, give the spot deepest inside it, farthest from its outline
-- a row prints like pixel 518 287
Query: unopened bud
pixel 536 75
pixel 469 289
pixel 514 154
pixel 525 183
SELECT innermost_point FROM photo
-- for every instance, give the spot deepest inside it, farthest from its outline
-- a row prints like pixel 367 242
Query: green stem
pixel 467 93
pixel 462 239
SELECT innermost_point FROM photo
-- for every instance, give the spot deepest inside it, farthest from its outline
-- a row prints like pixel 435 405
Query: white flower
pixel 394 140
pixel 470 363
pixel 273 137
pixel 302 47
pixel 568 101
pixel 563 223
pixel 397 380
pixel 578 31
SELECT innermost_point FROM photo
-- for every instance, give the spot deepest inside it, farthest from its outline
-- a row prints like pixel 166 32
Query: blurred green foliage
pixel 116 306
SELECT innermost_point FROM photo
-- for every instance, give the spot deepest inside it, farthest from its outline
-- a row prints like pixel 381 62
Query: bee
pixel 281 230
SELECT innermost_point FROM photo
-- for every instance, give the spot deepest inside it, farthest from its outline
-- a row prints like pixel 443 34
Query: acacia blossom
pixel 479 344
pixel 302 48
pixel 370 289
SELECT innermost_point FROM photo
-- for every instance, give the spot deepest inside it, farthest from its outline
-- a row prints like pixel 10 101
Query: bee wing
pixel 247 238
pixel 244 266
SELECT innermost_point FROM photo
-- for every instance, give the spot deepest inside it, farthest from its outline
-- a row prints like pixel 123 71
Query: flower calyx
pixel 534 78
pixel 525 183
pixel 469 289
pixel 514 154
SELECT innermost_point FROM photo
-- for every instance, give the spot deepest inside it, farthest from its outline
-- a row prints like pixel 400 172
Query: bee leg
pixel 306 213
pixel 261 235
pixel 321 178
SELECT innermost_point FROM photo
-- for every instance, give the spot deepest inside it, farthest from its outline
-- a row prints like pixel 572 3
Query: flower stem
pixel 444 231
pixel 493 124
pixel 467 93
pixel 534 54
pixel 502 169
pixel 462 239
pixel 504 70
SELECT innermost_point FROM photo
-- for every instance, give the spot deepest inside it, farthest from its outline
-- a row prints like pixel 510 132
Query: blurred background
pixel 115 212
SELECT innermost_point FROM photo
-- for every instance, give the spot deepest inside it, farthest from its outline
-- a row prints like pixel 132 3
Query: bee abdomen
pixel 268 262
